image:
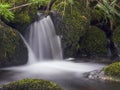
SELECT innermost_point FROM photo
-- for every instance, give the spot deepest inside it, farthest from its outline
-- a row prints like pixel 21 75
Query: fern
pixel 108 8
pixel 5 12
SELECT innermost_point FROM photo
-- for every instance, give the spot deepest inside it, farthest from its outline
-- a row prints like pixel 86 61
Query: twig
pixel 24 5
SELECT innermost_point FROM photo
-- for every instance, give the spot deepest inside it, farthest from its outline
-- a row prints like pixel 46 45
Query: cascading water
pixel 43 41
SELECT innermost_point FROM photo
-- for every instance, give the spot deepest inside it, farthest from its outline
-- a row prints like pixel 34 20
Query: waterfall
pixel 43 42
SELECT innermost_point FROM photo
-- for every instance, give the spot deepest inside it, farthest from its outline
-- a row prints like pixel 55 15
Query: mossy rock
pixel 94 42
pixel 13 51
pixel 79 38
pixel 113 70
pixel 32 84
pixel 73 27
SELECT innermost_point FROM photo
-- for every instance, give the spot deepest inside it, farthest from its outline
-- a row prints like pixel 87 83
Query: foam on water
pixel 52 67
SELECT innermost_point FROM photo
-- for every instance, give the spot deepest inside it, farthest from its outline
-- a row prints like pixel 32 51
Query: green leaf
pixel 5 12
pixel 107 8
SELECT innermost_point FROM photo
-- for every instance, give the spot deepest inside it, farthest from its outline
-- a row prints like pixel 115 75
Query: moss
pixel 32 84
pixel 73 18
pixel 94 42
pixel 79 38
pixel 12 48
pixel 113 70
pixel 9 39
pixel 24 16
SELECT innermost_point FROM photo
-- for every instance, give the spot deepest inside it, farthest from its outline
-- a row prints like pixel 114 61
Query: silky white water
pixel 43 41
pixel 52 67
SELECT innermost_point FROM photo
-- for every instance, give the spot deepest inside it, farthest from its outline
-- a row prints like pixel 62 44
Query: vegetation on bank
pixel 86 33
pixel 113 70
pixel 5 12
pixel 32 84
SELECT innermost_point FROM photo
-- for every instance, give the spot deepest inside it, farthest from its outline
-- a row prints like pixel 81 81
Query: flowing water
pixel 45 62
pixel 43 40
pixel 67 74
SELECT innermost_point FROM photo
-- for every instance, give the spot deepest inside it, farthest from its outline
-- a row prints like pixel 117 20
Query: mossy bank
pixel 108 73
pixel 32 84
pixel 113 70
pixel 79 37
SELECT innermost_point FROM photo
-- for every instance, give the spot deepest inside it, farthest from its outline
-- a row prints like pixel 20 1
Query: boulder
pixel 32 84
pixel 13 51
pixel 94 43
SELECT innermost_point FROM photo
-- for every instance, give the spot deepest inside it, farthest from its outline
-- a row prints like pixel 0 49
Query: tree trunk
pixel 49 6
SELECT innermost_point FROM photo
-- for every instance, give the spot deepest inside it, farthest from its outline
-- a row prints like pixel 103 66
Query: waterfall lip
pixel 41 15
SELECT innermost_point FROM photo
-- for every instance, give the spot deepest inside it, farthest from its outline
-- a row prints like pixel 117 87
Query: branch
pixel 50 4
pixel 24 5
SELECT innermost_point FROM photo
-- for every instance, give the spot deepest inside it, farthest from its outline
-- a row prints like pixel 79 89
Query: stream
pixel 69 75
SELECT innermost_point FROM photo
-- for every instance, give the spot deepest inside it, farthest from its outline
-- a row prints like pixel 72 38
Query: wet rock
pixel 100 75
pixel 96 74
pixel 13 51
pixel 58 22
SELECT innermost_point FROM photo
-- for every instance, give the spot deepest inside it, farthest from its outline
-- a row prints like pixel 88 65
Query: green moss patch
pixel 9 40
pixel 32 84
pixel 12 48
pixel 23 16
pixel 75 20
pixel 94 42
pixel 113 70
